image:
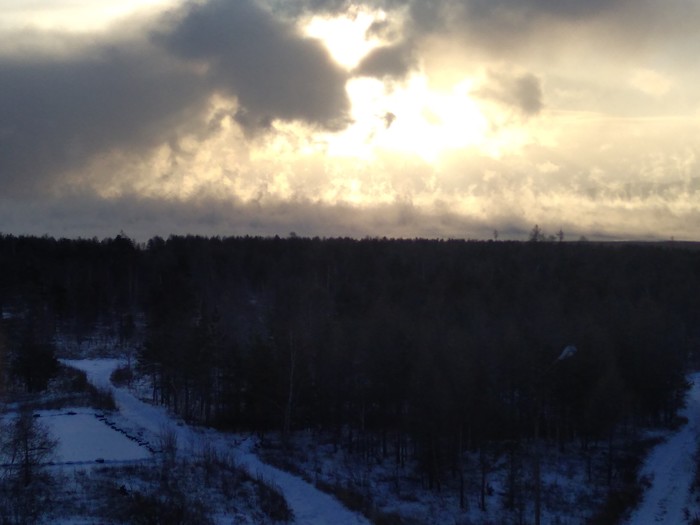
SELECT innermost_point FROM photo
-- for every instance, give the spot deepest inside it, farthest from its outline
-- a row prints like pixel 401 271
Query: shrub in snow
pixel 272 502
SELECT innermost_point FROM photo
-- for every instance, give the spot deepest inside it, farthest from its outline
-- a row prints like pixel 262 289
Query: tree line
pixel 399 349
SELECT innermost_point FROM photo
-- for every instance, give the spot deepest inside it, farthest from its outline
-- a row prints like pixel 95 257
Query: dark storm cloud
pixel 60 110
pixel 522 92
pixel 387 61
pixel 262 61
pixel 508 27
pixel 298 7
pixel 56 114
pixel 527 94
pixel 560 8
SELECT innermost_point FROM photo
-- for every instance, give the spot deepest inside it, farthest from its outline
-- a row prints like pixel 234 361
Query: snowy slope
pixel 310 506
pixel 671 469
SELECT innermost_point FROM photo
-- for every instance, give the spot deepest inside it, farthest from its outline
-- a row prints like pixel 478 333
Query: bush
pixel 101 398
pixel 271 501
pixel 158 506
pixel 78 380
pixel 122 376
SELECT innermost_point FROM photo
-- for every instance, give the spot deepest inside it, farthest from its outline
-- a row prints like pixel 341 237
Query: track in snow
pixel 310 505
pixel 670 467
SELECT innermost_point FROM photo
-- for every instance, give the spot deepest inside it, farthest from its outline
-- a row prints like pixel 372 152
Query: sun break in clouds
pixel 396 118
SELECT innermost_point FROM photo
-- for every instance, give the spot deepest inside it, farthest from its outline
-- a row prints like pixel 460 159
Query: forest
pixel 402 349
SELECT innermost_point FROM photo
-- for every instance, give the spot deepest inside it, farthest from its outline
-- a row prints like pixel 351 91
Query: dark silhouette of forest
pixel 417 349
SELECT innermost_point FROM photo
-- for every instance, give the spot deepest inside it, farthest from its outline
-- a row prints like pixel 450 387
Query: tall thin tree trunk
pixel 287 424
pixel 483 463
pixel 460 466
pixel 538 465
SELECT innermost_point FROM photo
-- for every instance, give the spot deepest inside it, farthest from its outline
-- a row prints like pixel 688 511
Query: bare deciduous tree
pixel 28 445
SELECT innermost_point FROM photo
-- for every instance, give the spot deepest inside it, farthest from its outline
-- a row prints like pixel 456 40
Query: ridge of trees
pixel 399 348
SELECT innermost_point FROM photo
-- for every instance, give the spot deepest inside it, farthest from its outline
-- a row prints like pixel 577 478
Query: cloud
pixel 188 122
pixel 57 113
pixel 517 29
pixel 527 94
pixel 389 119
pixel 141 218
pixel 512 210
pixel 387 61
pixel 511 26
pixel 562 8
pixel 523 92
pixel 264 62
pixel 84 97
pixel 650 82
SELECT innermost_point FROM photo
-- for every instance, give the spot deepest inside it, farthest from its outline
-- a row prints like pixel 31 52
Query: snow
pixel 82 437
pixel 671 469
pixel 567 353
pixel 310 505
pixel 669 466
pixel 153 419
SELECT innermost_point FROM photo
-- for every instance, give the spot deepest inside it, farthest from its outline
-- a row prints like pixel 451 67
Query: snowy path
pixel 670 467
pixel 310 506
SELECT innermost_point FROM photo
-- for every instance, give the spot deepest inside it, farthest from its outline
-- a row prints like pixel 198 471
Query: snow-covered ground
pixel 669 466
pixel 310 506
pixel 670 469
pixel 86 437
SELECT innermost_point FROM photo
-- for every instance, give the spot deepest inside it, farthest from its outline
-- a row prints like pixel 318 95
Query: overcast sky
pixel 397 118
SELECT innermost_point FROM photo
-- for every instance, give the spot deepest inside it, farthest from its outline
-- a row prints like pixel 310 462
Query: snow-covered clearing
pixel 310 506
pixel 85 437
pixel 671 470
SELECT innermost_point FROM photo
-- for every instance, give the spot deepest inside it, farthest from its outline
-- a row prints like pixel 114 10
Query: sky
pixel 399 118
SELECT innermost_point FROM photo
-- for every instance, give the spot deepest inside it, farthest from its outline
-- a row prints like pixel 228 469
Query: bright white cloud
pixel 650 82
pixel 73 15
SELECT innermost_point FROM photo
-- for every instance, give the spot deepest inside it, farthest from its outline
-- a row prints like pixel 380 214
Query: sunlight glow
pixel 346 37
pixel 434 121
pixel 411 119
